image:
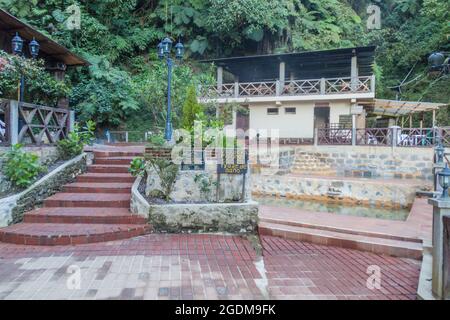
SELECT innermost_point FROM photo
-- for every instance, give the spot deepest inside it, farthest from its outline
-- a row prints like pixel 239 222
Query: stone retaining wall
pixel 12 208
pixel 239 218
pixel 361 192
pixel 46 154
pixel 372 161
pixel 158 152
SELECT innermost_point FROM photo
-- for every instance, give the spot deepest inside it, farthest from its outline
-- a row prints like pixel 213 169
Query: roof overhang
pixel 49 48
pixel 397 108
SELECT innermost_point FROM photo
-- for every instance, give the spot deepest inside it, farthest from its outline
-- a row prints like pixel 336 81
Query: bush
pixel 21 168
pixel 167 172
pixel 157 140
pixel 137 167
pixel 73 145
pixel 192 110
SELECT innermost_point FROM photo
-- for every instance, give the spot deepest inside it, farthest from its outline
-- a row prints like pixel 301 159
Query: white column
pixel 282 73
pixel 354 72
pixel 219 79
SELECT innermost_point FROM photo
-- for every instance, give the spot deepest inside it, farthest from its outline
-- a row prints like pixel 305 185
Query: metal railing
pixel 32 124
pixel 394 136
pixel 323 86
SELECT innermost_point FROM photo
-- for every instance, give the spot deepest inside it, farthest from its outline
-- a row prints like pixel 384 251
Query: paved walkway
pixel 159 266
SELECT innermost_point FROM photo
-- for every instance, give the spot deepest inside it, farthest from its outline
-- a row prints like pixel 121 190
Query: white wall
pixel 300 125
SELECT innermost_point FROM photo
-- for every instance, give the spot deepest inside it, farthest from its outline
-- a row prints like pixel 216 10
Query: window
pixel 272 111
pixel 290 110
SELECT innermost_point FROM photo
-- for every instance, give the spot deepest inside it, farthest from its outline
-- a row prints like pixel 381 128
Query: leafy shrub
pixel 21 168
pixel 73 145
pixel 157 140
pixel 167 172
pixel 137 167
pixel 192 110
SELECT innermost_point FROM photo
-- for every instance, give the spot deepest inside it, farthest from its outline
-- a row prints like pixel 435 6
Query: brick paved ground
pixel 200 267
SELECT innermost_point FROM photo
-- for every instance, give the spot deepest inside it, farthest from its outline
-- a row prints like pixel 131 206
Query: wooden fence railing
pixel 394 136
pixel 32 124
pixel 300 87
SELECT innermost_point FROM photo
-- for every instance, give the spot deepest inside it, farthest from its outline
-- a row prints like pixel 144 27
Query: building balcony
pixel 241 91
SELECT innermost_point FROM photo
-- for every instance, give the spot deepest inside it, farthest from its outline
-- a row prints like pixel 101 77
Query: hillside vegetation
pixel 125 86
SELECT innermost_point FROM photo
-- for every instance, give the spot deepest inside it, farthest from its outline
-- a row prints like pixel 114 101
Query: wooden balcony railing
pixel 31 124
pixel 323 86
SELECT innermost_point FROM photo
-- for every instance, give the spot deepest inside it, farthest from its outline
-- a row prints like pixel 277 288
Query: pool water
pixel 336 208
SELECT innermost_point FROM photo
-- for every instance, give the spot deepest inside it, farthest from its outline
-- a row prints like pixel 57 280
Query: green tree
pixel 192 110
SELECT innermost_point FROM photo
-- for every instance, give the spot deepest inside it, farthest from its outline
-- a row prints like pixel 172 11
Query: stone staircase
pixel 310 164
pixel 95 208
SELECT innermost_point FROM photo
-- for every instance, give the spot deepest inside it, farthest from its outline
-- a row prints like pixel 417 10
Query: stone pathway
pixel 93 209
pixel 157 266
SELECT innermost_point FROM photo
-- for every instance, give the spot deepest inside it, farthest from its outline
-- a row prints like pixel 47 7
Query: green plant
pixel 192 110
pixel 167 173
pixel 73 145
pixel 205 184
pixel 157 140
pixel 21 168
pixel 137 167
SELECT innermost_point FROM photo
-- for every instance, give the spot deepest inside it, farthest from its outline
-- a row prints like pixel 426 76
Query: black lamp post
pixel 17 49
pixel 444 180
pixel 440 151
pixel 164 50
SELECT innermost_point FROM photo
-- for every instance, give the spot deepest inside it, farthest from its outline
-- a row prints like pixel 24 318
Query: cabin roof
pixel 303 65
pixel 48 47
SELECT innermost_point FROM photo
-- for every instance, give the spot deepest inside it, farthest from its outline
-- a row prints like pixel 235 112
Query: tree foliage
pixel 126 84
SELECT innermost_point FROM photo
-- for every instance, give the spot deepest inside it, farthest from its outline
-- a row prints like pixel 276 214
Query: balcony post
pixel 322 86
pixel 219 79
pixel 13 122
pixel 236 89
pixel 372 83
pixel 278 88
pixel 354 72
pixel 282 73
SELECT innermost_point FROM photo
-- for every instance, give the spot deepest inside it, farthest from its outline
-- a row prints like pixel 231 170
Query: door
pixel 321 117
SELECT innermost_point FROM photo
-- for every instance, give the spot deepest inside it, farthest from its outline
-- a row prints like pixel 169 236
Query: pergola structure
pixel 402 109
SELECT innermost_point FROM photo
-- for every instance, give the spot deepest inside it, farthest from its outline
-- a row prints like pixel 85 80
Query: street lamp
pixel 437 62
pixel 444 180
pixel 34 48
pixel 164 49
pixel 17 49
pixel 440 152
pixel 17 44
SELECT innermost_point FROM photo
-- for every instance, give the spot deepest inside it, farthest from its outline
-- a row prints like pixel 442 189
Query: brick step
pixel 90 187
pixel 298 223
pixel 405 249
pixel 106 177
pixel 108 168
pixel 51 234
pixel 114 160
pixel 83 215
pixel 96 200
pixel 108 154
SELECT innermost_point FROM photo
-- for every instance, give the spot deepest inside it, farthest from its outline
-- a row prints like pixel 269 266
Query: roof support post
pixel 282 77
pixel 354 72
pixel 372 83
pixel 219 79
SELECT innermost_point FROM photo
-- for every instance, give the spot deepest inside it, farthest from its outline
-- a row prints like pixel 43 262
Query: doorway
pixel 321 116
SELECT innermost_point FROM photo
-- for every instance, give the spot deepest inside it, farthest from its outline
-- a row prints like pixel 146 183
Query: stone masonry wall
pixel 12 208
pixel 353 191
pixel 367 161
pixel 46 155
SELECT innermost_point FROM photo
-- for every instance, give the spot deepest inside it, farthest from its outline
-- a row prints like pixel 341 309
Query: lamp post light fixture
pixel 17 49
pixel 164 49
pixel 34 48
pixel 444 181
pixel 440 152
pixel 437 62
